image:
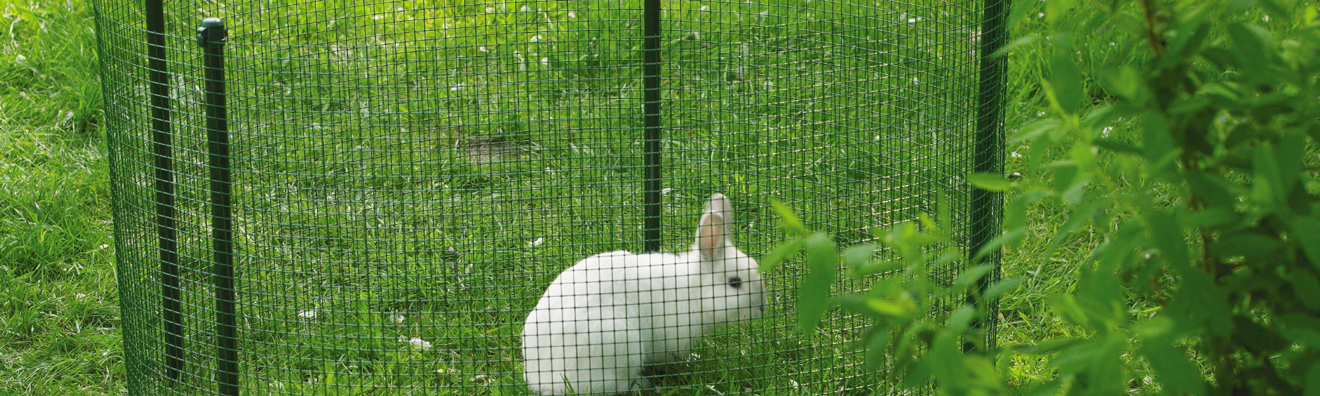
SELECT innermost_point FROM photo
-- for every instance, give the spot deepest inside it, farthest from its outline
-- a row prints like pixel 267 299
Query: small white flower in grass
pixel 795 383
pixel 1105 132
pixel 705 8
pixel 764 14
pixel 915 80
pixel 377 17
pixel 490 10
pixel 665 191
pixel 545 62
pixel 103 246
pixel 1016 155
pixel 537 242
pixel 1040 114
pixel 1266 18
pixel 525 9
pixel 397 319
pixel 307 314
pixel 419 344
pixel 1040 15
pixel 79 295
pixel 482 49
pixel 535 38
pixel 456 88
pixel 572 14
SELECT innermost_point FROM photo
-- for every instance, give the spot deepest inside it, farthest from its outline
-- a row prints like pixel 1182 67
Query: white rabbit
pixel 610 314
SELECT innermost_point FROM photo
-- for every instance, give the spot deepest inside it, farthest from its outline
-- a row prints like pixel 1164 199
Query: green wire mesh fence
pixel 370 197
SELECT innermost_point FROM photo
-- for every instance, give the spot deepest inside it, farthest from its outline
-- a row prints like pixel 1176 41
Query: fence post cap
pixel 211 31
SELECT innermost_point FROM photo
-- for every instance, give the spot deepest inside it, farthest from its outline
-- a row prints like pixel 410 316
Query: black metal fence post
pixel 987 206
pixel 163 151
pixel 651 106
pixel 211 36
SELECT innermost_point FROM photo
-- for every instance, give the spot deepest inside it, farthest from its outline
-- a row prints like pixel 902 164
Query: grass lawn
pixel 358 189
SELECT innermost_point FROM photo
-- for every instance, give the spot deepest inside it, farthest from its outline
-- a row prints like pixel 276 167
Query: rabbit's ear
pixel 720 205
pixel 712 236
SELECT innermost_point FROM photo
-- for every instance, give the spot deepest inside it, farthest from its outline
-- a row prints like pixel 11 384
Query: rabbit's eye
pixel 735 282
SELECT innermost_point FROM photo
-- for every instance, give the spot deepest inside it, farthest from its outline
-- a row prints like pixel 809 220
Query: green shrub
pixel 1192 152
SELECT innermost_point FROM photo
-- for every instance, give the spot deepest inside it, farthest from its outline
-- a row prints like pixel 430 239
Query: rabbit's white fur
pixel 610 314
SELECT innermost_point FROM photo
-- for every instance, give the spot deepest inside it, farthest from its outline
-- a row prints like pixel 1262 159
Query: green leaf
pixel 1064 178
pixel 859 255
pixel 1313 380
pixel 1123 82
pixel 1157 142
pixel 970 276
pixel 1266 187
pixel 1008 238
pixel 814 294
pixel 900 309
pixel 1307 289
pixel 1158 326
pixel 1213 217
pixel 989 181
pixel 787 219
pixel 1048 346
pixel 1211 188
pixel 1066 307
pixel 1033 130
pixel 1301 328
pixel 1167 235
pixel 1116 146
pixel 1200 302
pixel 1065 78
pixel 1172 368
pixel 1001 287
pixel 1251 44
pixel 1307 232
pixel 875 339
pixel 873 267
pixel 1020 41
pixel 1075 220
pixel 1278 9
pixel 1183 45
pixel 1015 215
pixel 1100 295
pixel 1241 133
pixel 1017 11
pixel 1245 244
pixel 949 371
pixel 1047 388
pixel 961 319
pixel 1257 339
pixel 855 303
pixel 785 250
pixel 1290 153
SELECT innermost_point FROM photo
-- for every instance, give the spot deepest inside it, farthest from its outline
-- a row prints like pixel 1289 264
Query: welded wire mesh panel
pixel 857 114
pixel 409 177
